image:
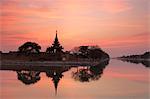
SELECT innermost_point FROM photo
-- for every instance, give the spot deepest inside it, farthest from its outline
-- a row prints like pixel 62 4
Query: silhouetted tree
pixel 83 49
pixel 29 47
pixel 97 54
pixel 146 55
pixel 93 52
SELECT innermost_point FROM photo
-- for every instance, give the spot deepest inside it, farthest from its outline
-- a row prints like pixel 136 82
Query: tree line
pixel 93 52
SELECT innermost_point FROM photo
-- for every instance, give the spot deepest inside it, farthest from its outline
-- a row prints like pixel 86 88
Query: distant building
pixel 56 47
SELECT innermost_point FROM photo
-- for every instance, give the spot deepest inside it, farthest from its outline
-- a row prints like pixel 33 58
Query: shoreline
pixel 136 59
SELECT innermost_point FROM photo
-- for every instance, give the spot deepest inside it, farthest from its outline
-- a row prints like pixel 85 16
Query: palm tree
pixel 29 47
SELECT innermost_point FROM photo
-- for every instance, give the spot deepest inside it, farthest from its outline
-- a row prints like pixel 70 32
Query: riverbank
pixel 45 65
pixel 145 62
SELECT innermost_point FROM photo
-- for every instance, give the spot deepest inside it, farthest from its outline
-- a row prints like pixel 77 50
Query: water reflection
pixel 145 63
pixel 87 74
pixel 28 77
pixel 55 73
pixel 59 80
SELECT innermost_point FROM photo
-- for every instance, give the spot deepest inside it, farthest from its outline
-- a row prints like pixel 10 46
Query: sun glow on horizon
pixel 111 24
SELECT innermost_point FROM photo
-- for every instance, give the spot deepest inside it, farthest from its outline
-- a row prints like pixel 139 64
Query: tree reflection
pixel 28 77
pixel 82 75
pixel 145 63
pixel 87 74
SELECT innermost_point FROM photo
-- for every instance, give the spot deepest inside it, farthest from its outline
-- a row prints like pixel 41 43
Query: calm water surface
pixel 117 80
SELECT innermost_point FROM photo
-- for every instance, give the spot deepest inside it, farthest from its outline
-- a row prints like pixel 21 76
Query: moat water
pixel 113 80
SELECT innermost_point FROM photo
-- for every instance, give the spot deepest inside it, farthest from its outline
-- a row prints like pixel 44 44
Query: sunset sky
pixel 118 26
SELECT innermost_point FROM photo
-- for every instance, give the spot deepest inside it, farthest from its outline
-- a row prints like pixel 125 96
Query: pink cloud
pixel 137 39
pixel 115 6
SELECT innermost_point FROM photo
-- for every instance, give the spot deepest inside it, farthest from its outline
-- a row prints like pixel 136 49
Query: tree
pixel 29 47
pixel 146 55
pixel 97 53
pixel 83 49
pixel 93 52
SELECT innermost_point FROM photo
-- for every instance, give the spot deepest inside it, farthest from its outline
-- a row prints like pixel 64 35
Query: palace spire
pixel 56 47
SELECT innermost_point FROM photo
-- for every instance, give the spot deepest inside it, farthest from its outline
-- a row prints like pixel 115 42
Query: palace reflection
pixel 55 73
